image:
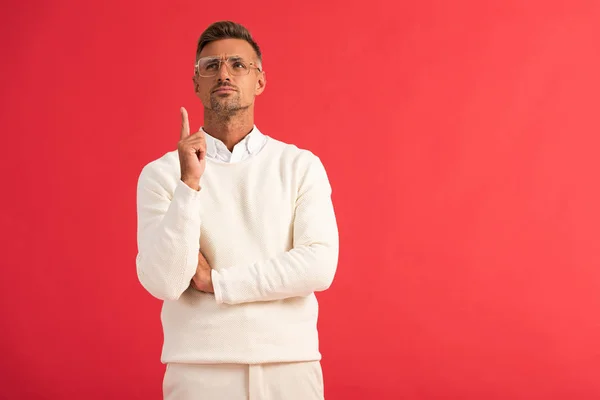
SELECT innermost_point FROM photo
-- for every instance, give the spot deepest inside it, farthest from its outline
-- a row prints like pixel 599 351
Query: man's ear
pixel 261 82
pixel 196 86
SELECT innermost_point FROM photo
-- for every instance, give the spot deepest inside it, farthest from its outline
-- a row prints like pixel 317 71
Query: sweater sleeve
pixel 168 233
pixel 308 267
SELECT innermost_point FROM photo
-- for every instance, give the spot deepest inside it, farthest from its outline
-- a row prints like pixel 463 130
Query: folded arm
pixel 168 234
pixel 308 267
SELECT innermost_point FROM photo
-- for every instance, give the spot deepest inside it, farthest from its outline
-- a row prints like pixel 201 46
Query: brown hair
pixel 226 30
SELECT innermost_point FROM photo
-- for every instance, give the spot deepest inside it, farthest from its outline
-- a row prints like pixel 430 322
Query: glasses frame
pixel 251 65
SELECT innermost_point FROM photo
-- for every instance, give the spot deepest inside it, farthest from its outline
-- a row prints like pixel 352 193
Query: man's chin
pixel 226 107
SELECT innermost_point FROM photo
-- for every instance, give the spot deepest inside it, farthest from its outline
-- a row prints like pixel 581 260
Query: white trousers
pixel 277 381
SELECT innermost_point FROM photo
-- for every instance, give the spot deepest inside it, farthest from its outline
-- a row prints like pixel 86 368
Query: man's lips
pixel 224 89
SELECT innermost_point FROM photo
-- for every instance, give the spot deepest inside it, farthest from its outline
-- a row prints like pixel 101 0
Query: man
pixel 236 232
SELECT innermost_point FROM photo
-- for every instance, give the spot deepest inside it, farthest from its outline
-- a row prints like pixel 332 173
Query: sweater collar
pixel 252 142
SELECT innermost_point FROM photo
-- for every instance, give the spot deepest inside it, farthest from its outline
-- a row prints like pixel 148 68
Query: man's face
pixel 236 81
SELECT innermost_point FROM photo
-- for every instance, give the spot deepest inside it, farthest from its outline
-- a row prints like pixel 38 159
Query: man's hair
pixel 226 30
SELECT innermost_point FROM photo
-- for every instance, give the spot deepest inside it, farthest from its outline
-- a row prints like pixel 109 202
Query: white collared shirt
pixel 250 145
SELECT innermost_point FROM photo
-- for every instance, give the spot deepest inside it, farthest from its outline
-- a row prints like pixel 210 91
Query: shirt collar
pixel 251 141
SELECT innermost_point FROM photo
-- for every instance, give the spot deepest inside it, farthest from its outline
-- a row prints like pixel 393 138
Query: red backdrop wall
pixel 461 140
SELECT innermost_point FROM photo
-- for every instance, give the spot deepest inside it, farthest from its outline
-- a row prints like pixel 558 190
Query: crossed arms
pixel 169 235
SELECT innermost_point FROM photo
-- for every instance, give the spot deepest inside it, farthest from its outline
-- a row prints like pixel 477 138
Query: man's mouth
pixel 224 89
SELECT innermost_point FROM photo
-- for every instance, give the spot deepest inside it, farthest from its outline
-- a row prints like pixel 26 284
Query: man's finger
pixel 198 136
pixel 185 123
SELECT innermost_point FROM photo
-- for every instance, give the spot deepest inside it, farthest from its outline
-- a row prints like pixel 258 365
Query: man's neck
pixel 230 130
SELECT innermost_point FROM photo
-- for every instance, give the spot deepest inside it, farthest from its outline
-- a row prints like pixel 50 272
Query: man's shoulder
pixel 168 159
pixel 165 166
pixel 303 163
pixel 292 152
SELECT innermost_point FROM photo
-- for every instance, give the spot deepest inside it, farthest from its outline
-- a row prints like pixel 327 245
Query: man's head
pixel 228 73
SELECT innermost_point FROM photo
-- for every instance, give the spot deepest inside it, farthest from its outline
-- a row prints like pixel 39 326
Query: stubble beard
pixel 225 109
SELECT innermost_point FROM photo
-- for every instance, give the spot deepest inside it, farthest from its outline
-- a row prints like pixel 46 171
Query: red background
pixel 461 140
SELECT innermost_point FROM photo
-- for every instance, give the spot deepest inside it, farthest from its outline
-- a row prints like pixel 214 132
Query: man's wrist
pixel 192 183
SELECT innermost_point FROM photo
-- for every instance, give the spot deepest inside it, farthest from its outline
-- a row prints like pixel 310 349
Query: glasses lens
pixel 210 66
pixel 237 66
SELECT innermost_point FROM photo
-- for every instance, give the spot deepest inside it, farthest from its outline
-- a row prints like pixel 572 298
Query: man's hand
pixel 192 153
pixel 202 280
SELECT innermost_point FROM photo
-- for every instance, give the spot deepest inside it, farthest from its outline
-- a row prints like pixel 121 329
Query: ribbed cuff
pixel 215 276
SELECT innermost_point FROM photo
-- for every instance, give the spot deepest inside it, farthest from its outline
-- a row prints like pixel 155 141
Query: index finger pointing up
pixel 185 124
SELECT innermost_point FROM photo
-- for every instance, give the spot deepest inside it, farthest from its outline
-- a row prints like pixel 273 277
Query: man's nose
pixel 223 73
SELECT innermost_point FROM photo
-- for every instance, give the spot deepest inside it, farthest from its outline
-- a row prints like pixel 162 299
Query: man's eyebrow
pixel 234 57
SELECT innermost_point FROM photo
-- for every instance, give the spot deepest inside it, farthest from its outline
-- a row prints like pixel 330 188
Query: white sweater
pixel 266 225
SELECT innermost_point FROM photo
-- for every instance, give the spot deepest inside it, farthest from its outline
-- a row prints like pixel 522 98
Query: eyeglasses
pixel 209 66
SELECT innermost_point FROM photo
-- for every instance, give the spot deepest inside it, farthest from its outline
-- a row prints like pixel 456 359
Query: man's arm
pixel 308 267
pixel 169 217
pixel 168 234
